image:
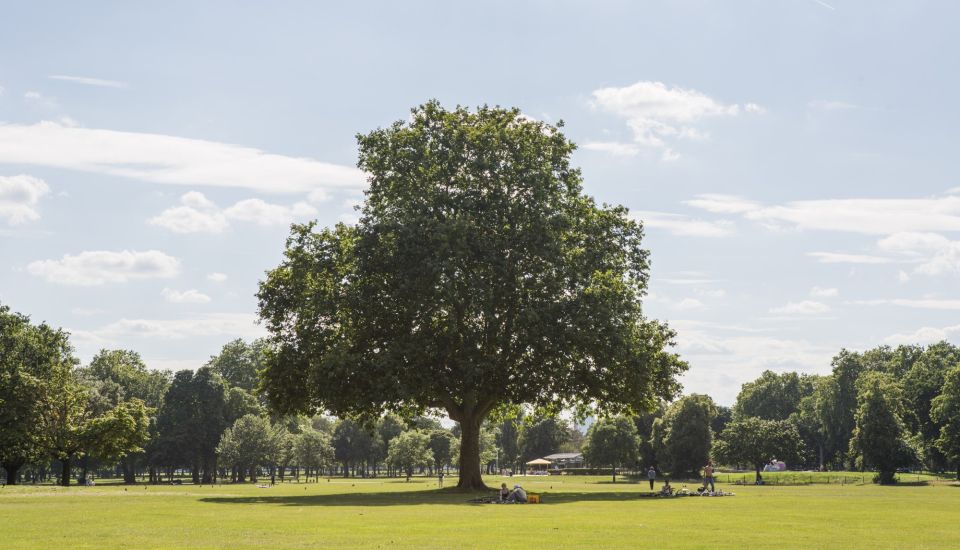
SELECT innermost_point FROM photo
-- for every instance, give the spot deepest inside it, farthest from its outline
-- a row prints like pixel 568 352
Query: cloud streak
pixel 88 81
pixel 172 160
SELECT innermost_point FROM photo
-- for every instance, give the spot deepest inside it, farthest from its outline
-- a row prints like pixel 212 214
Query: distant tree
pixel 78 423
pixel 645 430
pixel 757 442
pixel 772 396
pixel 879 437
pixel 122 375
pixel 192 420
pixel 724 415
pixel 508 440
pixel 575 440
pixel 442 444
pixel 612 442
pixel 813 426
pixel 30 358
pixel 478 276
pixel 313 451
pixel 409 451
pixel 945 410
pixel 543 437
pixel 239 362
pixel 683 435
pixel 323 424
pixel 921 384
pixel 239 403
pixel 352 444
pixel 249 443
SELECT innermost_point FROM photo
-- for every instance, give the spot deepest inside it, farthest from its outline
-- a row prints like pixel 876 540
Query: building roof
pixel 538 462
pixel 564 456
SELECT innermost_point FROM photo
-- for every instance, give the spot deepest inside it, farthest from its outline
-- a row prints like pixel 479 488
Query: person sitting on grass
pixel 504 492
pixel 517 495
pixel 667 490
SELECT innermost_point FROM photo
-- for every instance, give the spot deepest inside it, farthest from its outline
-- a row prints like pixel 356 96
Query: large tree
pixel 612 442
pixel 31 356
pixel 772 396
pixel 122 375
pixel 757 442
pixel 478 276
pixel 238 363
pixel 946 412
pixel 682 438
pixel 879 436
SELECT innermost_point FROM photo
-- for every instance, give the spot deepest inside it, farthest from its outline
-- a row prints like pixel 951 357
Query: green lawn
pixel 577 512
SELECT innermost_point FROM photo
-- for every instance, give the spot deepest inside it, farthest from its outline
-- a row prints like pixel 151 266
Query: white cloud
pixel 923 303
pixel 688 304
pixel 903 276
pixel 723 204
pixel 197 214
pixel 19 196
pixel 613 147
pixel 712 292
pixel 722 357
pixel 98 267
pixel 263 213
pixel 170 159
pixel 840 258
pixel 191 296
pixel 865 216
pixel 684 225
pixel 806 307
pixel 228 325
pixel 90 81
pixel 658 114
pixel 923 335
pixel 217 277
pixel 823 292
pixel 936 254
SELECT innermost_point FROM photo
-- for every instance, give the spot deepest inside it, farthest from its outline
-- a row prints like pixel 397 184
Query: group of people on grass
pixel 708 479
pixel 517 496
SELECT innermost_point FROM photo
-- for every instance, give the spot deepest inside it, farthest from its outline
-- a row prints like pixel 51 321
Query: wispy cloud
pixel 806 307
pixel 170 159
pixel 659 115
pixel 842 258
pixel 89 81
pixel 98 267
pixel 19 197
pixel 683 225
pixel 192 296
pixel 197 214
pixel 922 303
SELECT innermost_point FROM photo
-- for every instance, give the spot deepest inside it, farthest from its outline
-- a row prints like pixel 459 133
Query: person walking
pixel 652 476
pixel 708 476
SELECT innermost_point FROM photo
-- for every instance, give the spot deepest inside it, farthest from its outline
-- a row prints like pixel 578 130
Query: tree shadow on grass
pixel 423 498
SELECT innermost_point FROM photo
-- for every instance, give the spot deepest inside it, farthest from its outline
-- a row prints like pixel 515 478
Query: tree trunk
pixel 470 477
pixel 84 469
pixel 65 472
pixel 614 474
pixel 758 474
pixel 12 468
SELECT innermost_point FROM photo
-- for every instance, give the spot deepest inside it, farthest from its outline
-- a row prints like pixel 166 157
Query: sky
pixel 793 161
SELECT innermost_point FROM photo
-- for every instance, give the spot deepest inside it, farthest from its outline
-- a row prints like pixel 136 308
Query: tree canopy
pixel 612 442
pixel 757 442
pixel 479 275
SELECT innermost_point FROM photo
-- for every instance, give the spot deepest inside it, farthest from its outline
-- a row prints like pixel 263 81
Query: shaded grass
pixel 577 512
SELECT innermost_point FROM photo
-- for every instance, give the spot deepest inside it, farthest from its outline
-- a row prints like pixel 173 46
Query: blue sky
pixel 794 161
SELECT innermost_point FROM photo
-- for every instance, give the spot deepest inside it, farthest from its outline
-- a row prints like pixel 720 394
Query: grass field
pixel 577 512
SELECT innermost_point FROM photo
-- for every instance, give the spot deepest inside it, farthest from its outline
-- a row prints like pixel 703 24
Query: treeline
pixel 879 410
pixel 115 416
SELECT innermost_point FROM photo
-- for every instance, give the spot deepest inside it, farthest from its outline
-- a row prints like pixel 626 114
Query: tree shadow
pixel 424 498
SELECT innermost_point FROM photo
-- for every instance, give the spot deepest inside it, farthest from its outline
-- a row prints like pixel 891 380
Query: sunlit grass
pixel 577 512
